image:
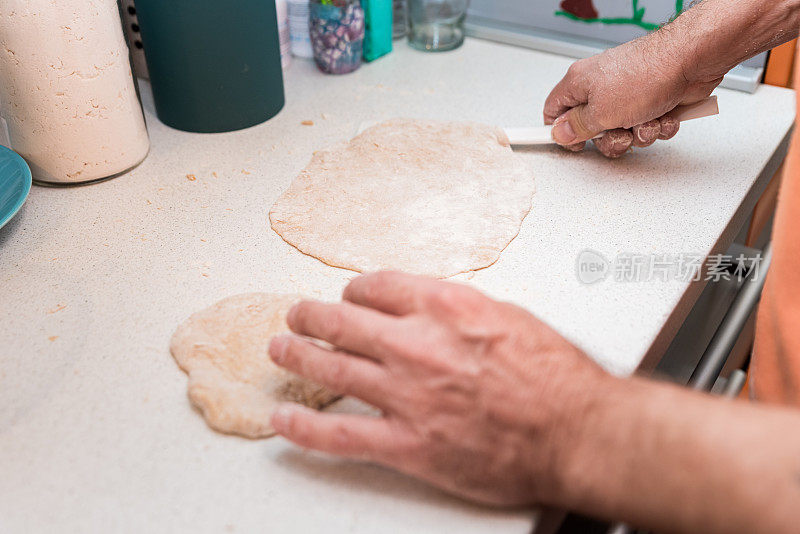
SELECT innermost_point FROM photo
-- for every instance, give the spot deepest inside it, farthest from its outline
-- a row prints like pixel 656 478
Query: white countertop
pixel 96 432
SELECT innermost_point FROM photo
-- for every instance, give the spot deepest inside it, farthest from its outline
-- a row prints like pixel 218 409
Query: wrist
pixel 694 45
pixel 601 427
pixel 684 49
pixel 713 37
pixel 585 409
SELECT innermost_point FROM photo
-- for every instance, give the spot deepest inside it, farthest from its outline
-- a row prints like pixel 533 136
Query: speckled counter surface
pixel 96 433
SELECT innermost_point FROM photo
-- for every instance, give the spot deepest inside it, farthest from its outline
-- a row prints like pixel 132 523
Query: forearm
pixel 716 35
pixel 677 461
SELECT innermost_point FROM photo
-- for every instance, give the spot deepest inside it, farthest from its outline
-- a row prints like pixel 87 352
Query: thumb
pixel 575 126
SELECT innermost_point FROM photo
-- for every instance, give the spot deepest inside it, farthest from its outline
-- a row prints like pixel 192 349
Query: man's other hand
pixel 477 397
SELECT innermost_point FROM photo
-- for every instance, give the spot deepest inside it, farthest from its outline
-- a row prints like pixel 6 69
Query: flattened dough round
pixel 232 379
pixel 425 197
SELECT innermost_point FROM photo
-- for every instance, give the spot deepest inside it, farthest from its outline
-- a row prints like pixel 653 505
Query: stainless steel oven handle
pixel 718 351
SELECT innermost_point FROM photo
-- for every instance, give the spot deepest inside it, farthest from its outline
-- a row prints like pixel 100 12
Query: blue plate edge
pixel 26 190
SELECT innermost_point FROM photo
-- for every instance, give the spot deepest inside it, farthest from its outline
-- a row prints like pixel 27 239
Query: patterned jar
pixel 337 35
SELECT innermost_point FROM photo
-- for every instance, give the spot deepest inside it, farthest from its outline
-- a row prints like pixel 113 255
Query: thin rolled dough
pixel 232 380
pixel 425 197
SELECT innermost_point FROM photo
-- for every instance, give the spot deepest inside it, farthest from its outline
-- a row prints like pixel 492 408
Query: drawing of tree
pixel 584 11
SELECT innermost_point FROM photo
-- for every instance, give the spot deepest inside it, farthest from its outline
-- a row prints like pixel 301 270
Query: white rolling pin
pixel 542 135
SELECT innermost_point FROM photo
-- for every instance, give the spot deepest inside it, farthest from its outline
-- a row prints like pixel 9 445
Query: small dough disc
pixel 232 380
pixel 425 197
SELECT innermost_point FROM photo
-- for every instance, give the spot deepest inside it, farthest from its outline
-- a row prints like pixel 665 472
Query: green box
pixel 378 22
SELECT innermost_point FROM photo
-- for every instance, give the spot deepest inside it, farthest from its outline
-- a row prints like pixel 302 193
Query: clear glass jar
pixel 399 19
pixel 67 93
pixel 436 25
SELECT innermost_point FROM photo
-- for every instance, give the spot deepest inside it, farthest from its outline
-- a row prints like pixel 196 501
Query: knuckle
pixel 577 147
pixel 333 326
pixel 297 315
pixel 457 302
pixel 380 278
pixel 410 342
pixel 394 346
pixel 447 297
pixel 408 450
pixel 669 127
pixel 296 429
pixel 614 143
pixel 602 118
pixel 647 129
pixel 373 286
pixel 413 445
pixel 337 374
pixel 406 444
pixel 342 437
pixel 353 288
pixel 576 69
pixel 291 354
pixel 579 119
pixel 380 340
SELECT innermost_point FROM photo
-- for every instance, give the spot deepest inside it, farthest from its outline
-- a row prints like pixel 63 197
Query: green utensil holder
pixel 215 66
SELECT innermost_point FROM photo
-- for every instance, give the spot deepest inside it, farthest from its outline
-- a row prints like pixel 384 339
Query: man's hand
pixel 627 91
pixel 482 399
pixel 478 397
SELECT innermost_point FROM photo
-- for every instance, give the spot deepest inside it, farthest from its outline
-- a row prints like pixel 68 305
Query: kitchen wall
pixel 624 19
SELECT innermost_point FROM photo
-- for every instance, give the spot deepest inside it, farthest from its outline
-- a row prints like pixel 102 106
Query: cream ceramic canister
pixel 67 95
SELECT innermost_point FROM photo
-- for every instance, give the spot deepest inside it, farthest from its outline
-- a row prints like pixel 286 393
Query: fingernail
pixel 281 418
pixel 277 348
pixel 563 134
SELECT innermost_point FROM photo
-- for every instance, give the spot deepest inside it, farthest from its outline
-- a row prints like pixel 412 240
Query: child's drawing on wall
pixel 612 12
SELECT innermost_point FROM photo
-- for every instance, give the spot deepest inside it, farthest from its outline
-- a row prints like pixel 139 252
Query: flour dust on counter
pixel 232 380
pixel 425 197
